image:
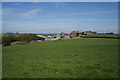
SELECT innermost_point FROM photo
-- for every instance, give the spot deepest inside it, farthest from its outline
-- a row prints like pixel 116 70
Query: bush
pixel 22 39
pixel 26 37
pixel 6 41
pixel 0 41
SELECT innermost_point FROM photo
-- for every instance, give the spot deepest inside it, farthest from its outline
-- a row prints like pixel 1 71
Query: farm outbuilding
pixel 41 37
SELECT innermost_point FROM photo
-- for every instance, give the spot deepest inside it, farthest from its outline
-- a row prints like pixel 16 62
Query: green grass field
pixel 74 58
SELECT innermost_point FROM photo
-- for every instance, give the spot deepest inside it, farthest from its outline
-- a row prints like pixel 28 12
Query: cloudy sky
pixel 56 17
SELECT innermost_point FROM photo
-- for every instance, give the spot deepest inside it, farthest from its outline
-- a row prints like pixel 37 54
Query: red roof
pixel 66 34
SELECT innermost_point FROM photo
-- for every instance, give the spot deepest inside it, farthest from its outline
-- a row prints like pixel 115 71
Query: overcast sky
pixel 56 17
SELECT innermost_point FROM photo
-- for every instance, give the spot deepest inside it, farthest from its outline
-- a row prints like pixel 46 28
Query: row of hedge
pixel 101 37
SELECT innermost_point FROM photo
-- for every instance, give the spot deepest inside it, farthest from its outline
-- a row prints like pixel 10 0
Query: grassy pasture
pixel 74 58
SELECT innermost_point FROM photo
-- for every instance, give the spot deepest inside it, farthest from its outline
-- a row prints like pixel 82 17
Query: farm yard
pixel 70 58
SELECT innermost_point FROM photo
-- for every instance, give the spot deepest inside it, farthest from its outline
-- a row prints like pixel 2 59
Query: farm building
pixel 58 36
pixel 41 37
pixel 88 32
pixel 55 37
pixel 75 34
pixel 65 36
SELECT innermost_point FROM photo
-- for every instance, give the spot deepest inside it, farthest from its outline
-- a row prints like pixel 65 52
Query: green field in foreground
pixel 73 58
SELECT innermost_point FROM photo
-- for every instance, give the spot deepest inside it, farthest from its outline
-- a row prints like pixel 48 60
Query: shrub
pixel 6 41
pixel 26 37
